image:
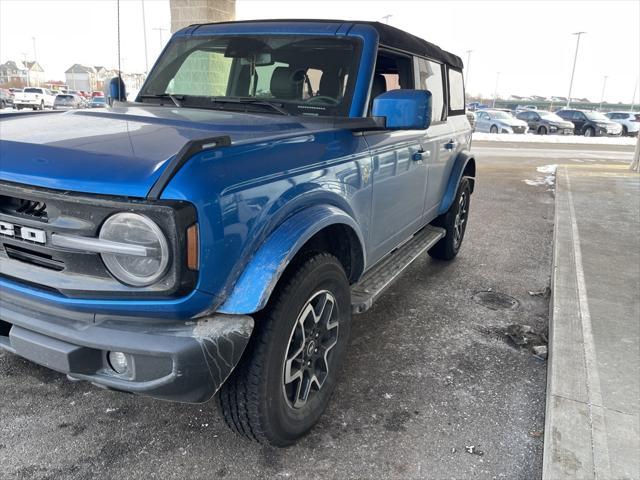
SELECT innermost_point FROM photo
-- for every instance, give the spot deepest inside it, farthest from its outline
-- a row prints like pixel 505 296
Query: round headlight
pixel 134 229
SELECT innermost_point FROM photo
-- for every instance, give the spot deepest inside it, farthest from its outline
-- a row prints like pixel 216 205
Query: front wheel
pixel 493 129
pixel 289 370
pixel 625 131
pixel 589 132
pixel 542 131
pixel 455 224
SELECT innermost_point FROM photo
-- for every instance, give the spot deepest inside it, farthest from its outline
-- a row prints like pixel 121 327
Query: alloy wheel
pixel 460 221
pixel 307 359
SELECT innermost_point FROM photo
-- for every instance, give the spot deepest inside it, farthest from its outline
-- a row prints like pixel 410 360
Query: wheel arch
pixel 464 166
pixel 314 229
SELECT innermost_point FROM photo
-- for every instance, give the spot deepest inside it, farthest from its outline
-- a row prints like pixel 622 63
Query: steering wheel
pixel 322 99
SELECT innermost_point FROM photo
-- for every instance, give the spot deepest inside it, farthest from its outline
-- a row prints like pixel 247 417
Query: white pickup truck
pixel 34 97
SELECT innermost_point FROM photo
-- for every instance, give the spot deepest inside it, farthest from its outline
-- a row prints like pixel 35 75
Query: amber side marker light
pixel 193 260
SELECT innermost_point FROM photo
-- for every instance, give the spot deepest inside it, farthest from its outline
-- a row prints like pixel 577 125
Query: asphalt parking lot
pixel 429 375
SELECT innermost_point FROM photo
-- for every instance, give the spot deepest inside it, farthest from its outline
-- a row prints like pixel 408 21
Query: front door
pixel 399 180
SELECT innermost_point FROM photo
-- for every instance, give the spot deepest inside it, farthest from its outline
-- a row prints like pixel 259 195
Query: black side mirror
pixel 117 90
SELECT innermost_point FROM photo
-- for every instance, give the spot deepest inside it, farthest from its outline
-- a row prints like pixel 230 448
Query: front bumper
pixel 183 361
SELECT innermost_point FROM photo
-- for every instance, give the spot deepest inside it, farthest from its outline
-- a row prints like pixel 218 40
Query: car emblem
pixel 25 233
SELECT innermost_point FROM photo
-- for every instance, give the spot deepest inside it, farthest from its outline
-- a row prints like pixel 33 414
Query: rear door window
pixel 456 92
pixel 430 78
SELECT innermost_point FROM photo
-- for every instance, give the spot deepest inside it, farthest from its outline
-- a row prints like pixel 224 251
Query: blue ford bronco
pixel 271 179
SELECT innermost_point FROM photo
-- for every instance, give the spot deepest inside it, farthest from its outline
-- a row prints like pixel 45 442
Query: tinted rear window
pixel 32 90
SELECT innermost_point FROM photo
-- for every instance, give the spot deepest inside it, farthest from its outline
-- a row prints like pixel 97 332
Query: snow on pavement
pixel 549 179
pixel 565 139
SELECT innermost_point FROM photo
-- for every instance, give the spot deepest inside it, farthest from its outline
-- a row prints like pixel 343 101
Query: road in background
pixel 432 387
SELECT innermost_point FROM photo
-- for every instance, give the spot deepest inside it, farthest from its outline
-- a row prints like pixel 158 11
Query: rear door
pixel 579 120
pixel 440 138
pixel 482 122
pixel 456 137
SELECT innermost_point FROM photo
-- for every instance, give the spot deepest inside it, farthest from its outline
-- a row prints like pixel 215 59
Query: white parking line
pixel 599 443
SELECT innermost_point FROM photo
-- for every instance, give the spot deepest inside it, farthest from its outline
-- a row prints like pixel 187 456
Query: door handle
pixel 420 155
pixel 451 144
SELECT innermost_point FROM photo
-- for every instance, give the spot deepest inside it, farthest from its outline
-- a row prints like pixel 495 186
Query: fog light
pixel 118 362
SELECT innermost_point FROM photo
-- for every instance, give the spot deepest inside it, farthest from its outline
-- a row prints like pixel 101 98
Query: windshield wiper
pixel 176 101
pixel 251 101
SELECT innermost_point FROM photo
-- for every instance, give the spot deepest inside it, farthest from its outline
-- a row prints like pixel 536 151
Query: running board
pixel 376 280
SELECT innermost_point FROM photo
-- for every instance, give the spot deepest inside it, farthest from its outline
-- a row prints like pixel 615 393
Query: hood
pixel 512 122
pixel 119 151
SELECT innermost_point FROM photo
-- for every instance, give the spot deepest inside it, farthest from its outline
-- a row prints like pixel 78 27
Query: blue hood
pixel 119 151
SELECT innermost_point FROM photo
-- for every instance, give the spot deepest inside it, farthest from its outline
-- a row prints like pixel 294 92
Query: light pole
pixel 144 32
pixel 160 30
pixel 633 99
pixel 466 80
pixel 604 85
pixel 495 92
pixel 573 70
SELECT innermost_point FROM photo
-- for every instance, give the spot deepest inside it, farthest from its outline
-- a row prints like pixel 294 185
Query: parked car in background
pixel 476 106
pixel 6 98
pixel 98 102
pixel 498 121
pixel 206 238
pixel 590 124
pixel 97 93
pixel 630 121
pixel 472 120
pixel 34 97
pixel 543 122
pixel 67 101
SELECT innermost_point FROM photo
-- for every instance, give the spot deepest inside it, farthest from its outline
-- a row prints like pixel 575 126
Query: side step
pixel 376 280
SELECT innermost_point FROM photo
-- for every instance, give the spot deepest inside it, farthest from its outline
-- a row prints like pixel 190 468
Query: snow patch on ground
pixel 548 180
pixel 548 168
pixel 566 139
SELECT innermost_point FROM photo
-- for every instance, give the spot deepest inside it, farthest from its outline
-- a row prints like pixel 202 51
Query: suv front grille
pixel 32 257
pixel 75 273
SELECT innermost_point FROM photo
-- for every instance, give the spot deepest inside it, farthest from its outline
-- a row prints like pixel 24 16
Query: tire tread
pixel 239 398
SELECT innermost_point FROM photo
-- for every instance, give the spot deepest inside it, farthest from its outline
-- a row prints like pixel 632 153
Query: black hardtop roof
pixel 389 36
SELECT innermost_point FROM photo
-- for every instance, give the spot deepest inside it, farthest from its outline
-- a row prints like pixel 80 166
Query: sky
pixel 529 42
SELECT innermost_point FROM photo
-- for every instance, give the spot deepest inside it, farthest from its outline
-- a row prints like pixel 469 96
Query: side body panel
pixel 262 185
pixel 399 178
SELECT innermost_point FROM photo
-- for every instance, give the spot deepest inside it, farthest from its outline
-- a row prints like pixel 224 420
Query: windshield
pixel 550 116
pixel 98 100
pixel 596 116
pixel 305 75
pixel 64 98
pixel 502 115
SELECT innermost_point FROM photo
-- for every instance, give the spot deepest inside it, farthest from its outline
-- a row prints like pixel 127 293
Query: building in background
pixel 21 74
pixel 35 74
pixel 188 12
pixel 81 77
pixel 13 74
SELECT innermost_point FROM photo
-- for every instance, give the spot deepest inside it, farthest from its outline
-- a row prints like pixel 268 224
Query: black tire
pixel 625 131
pixel 493 129
pixel 542 130
pixel 2 105
pixel 256 401
pixel 41 104
pixel 589 132
pixel 19 107
pixel 449 246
